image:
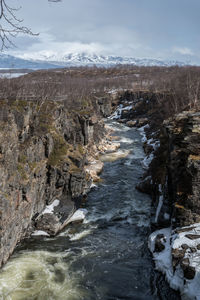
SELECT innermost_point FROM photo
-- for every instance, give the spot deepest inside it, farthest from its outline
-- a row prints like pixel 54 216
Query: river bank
pixel 171 177
pixel 106 256
pixel 45 146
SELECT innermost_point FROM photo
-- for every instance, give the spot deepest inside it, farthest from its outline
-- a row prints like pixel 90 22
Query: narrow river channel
pixel 106 257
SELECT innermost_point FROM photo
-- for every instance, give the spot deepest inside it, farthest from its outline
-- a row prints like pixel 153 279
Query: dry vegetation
pixel 177 88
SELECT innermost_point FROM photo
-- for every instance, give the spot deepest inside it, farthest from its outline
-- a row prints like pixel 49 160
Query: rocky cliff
pixel 44 147
pixel 172 146
pixel 172 178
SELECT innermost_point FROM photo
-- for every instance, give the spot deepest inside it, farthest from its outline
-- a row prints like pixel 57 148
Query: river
pixel 106 257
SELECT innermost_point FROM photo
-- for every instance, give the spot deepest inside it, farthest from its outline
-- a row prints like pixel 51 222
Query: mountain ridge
pixel 47 60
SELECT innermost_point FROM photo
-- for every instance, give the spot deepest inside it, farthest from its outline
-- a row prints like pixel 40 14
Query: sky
pixel 161 29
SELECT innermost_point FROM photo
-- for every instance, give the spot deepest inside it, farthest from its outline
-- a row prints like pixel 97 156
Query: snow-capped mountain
pixel 84 58
pixel 46 60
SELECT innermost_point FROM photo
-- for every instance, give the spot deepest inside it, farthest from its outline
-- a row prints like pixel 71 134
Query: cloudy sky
pixel 162 29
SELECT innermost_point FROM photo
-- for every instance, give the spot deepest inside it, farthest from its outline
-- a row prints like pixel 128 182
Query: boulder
pixel 159 246
pixel 189 271
pixel 141 122
pixel 131 123
pixel 145 185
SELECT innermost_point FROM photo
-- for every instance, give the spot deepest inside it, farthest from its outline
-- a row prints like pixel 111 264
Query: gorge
pixel 52 152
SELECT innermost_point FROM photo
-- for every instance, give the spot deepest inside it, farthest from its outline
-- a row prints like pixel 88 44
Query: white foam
pixel 126 140
pixel 31 275
pixel 109 157
pixel 80 235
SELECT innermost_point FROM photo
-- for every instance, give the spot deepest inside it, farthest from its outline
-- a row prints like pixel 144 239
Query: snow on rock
pixel 163 260
pixel 147 160
pixel 50 208
pixel 79 215
pixel 39 233
pixel 154 143
pixel 88 57
pixel 93 185
pixel 118 112
pixel 192 231
pixel 142 132
pixel 176 254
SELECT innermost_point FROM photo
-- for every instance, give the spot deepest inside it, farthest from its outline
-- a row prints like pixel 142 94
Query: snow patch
pixel 163 261
pixel 50 208
pixel 118 112
pixel 79 215
pixel 39 233
pixel 189 289
pixel 147 160
pixel 142 132
pixel 182 239
pixel 93 186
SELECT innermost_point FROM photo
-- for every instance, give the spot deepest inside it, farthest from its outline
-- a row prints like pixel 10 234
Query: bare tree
pixel 11 25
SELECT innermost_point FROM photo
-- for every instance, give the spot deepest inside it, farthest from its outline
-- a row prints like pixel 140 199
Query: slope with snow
pixel 46 60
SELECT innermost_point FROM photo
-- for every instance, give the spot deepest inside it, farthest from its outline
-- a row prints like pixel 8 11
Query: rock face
pixel 184 166
pixel 43 151
pixel 173 155
pixel 175 173
pixel 177 167
pixel 172 178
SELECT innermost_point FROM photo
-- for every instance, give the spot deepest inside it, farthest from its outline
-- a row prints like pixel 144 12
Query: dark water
pixel 107 256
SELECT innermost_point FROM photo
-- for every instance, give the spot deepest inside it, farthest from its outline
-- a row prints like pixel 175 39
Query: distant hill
pixel 48 61
pixel 12 62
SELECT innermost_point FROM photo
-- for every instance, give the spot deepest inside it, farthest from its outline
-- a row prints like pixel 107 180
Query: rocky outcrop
pixel 172 178
pixel 184 166
pixel 43 150
pixel 176 168
pixel 175 175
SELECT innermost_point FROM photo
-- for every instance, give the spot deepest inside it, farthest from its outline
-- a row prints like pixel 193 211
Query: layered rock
pixel 172 178
pixel 176 176
pixel 176 167
pixel 43 151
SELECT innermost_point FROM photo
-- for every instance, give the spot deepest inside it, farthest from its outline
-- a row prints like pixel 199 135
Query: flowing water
pixel 104 258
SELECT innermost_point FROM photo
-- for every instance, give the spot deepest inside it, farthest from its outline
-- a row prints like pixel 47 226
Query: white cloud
pixel 51 49
pixel 140 29
pixel 183 50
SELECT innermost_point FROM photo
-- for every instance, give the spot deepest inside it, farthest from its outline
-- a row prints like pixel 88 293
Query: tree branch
pixel 13 25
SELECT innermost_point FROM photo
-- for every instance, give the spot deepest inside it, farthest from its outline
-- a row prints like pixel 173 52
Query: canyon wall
pixel 43 151
pixel 172 178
